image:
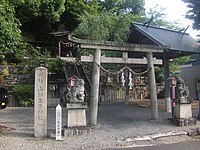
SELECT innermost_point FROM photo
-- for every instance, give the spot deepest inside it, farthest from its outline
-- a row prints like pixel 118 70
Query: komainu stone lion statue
pixel 76 93
pixel 182 92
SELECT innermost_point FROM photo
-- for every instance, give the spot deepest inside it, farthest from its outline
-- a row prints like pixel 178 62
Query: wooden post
pixel 94 96
pixel 59 49
pixel 167 87
pixel 125 57
pixel 152 87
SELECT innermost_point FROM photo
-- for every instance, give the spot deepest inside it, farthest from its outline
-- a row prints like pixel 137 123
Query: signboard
pixel 58 122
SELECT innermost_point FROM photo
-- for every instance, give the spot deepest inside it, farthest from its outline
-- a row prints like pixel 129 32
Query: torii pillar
pixel 168 107
pixel 94 96
pixel 152 87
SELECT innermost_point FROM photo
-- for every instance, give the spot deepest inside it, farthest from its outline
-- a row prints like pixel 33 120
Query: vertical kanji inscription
pixel 40 102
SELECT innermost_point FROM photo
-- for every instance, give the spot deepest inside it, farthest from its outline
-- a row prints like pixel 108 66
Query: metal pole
pixel 152 87
pixel 94 96
pixel 167 87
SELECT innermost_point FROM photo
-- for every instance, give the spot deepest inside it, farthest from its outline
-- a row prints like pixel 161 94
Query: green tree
pixel 78 8
pixel 105 26
pixel 23 17
pixel 123 6
pixel 30 59
pixel 109 26
pixel 175 63
pixel 193 13
pixel 49 9
pixel 38 16
pixel 74 9
pixel 24 94
pixel 159 18
pixel 10 34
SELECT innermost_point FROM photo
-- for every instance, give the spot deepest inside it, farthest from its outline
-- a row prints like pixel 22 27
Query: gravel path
pixel 116 124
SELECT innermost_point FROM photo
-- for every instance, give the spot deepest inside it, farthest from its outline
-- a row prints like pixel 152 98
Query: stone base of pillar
pixel 183 115
pixel 127 99
pixel 75 131
pixel 183 111
pixel 168 106
pixel 184 122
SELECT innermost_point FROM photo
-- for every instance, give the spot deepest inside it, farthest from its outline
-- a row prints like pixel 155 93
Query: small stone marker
pixel 58 122
pixel 40 99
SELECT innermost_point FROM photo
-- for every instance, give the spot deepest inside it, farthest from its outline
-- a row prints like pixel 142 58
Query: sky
pixel 175 11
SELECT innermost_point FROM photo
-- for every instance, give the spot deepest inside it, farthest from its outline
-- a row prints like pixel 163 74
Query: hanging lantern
pixel 122 79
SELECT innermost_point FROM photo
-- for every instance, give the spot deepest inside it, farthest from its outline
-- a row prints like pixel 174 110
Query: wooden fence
pixel 137 93
pixel 118 95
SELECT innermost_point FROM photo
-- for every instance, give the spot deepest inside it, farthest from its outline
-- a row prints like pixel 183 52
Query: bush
pixel 24 94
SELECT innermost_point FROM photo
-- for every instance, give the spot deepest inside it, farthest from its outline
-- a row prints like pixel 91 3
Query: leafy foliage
pixel 30 59
pixel 159 18
pixel 105 26
pixel 76 8
pixel 159 73
pixel 56 65
pixel 15 18
pixel 49 9
pixel 38 16
pixel 24 94
pixel 119 7
pixel 175 64
pixel 10 34
pixel 22 20
pixel 193 13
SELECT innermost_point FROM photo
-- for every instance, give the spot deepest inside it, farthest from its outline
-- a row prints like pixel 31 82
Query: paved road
pixel 188 145
pixel 118 126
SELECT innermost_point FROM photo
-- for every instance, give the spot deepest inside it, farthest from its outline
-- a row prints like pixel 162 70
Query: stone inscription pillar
pixel 40 103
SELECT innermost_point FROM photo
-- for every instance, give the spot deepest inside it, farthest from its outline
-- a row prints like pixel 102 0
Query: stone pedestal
pixel 183 111
pixel 183 115
pixel 76 120
pixel 184 122
pixel 76 114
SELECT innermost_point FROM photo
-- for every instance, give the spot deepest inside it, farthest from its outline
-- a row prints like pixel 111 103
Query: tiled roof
pixel 178 41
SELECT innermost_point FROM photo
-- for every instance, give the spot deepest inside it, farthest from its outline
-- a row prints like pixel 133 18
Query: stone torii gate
pixel 125 48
